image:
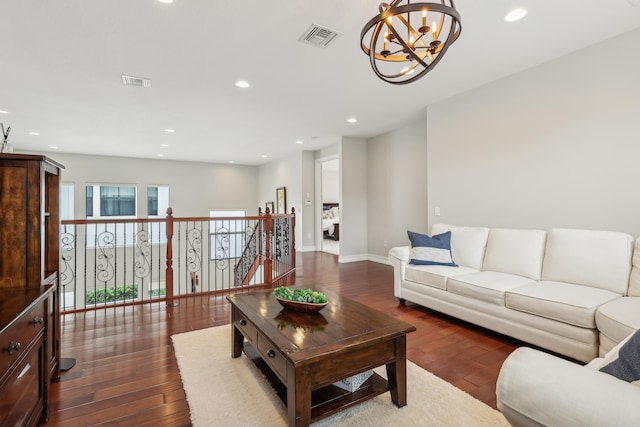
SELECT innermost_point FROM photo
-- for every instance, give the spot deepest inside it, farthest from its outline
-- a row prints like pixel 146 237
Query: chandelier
pixel 408 39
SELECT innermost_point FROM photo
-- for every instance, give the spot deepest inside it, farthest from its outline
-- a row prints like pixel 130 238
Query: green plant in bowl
pixel 308 296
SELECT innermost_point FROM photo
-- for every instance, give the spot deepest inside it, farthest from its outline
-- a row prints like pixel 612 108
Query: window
pixel 227 236
pixel 152 201
pixel 89 202
pixel 113 201
pixel 157 201
pixel 157 205
pixel 66 201
pixel 117 201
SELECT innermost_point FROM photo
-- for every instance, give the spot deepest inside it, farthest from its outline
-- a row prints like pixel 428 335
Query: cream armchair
pixel 537 389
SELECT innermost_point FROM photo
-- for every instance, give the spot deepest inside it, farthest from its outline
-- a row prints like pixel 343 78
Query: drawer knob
pixel 271 354
pixel 243 322
pixel 13 347
pixel 37 321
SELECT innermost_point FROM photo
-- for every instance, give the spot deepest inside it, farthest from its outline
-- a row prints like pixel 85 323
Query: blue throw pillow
pixel 435 250
pixel 627 366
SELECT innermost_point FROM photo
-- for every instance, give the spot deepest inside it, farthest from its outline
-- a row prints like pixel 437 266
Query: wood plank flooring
pixel 126 373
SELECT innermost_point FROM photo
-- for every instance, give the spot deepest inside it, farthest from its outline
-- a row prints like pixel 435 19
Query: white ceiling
pixel 61 62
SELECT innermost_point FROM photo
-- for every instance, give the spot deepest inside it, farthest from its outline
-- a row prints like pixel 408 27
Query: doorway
pixel 330 206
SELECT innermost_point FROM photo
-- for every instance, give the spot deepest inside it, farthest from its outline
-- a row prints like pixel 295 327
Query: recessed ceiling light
pixel 352 120
pixel 169 130
pixel 4 112
pixel 299 142
pixel 231 161
pixel 164 145
pixel 160 155
pixel 34 133
pixel 166 1
pixel 53 147
pixel 264 156
pixel 243 84
pixel 516 15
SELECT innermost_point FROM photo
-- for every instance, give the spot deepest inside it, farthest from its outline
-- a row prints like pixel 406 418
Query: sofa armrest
pixel 399 258
pixel 538 389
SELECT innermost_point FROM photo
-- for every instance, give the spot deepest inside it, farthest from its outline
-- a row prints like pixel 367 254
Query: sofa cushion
pixel 467 243
pixel 601 259
pixel 634 280
pixel 565 302
pixel 430 250
pixel 488 286
pixel 618 318
pixel 518 252
pixel 434 275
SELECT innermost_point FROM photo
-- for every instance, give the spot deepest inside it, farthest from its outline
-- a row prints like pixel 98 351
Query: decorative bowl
pixel 305 307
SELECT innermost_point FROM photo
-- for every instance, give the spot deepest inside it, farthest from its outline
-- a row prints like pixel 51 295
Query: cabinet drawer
pixel 20 334
pixel 20 395
pixel 272 356
pixel 30 323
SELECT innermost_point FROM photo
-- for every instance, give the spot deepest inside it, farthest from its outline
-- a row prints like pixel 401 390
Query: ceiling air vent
pixel 136 81
pixel 318 36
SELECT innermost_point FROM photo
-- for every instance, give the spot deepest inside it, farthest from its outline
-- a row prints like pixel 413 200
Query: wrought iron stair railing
pixel 121 262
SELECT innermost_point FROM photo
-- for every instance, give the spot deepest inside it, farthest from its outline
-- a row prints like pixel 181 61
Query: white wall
pixel 306 220
pixel 396 187
pixel 353 205
pixel 195 188
pixel 554 146
pixel 285 172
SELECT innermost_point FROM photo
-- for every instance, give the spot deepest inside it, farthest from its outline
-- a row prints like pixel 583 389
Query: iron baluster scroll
pixel 143 254
pixel 281 235
pixel 67 270
pixel 194 250
pixel 105 243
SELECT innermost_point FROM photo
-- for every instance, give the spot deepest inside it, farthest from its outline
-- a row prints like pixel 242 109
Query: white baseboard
pixel 352 258
pixel 379 259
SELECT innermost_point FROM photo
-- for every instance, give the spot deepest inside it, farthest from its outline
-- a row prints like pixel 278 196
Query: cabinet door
pixel 13 211
pixel 51 221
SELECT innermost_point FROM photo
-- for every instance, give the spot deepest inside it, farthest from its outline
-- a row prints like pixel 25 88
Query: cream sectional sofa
pixel 570 291
pixel 538 389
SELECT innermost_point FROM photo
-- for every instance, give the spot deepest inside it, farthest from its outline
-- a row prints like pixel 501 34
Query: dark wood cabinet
pixel 29 299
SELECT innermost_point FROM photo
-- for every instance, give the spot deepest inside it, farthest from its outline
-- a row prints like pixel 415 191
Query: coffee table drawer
pixel 247 328
pixel 272 356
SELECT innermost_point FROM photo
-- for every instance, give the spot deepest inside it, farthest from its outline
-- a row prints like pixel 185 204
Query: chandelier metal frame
pixel 412 47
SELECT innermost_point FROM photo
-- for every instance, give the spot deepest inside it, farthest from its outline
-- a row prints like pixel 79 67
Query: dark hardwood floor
pixel 126 373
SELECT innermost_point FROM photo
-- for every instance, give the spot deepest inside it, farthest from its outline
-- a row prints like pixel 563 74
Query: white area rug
pixel 223 391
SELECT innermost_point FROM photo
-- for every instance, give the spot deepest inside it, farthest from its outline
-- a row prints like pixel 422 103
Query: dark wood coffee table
pixel 303 354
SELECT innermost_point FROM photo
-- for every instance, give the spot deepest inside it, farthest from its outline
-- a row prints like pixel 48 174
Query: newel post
pixel 268 262
pixel 293 238
pixel 169 270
